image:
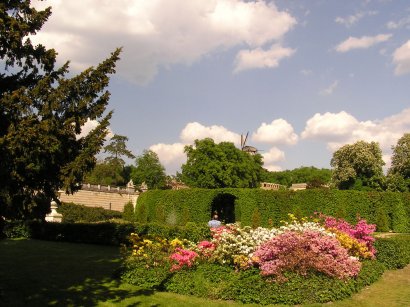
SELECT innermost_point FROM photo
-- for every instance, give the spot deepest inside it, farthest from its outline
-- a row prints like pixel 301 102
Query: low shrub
pixel 210 280
pixel 191 231
pixel 73 213
pixel 16 229
pixel 136 273
pixel 96 233
pixel 128 212
pixel 394 252
pixel 112 232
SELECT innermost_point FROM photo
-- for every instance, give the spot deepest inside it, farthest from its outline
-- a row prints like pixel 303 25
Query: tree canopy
pixel 117 148
pixel 313 176
pixel 358 166
pixel 112 171
pixel 398 177
pixel 41 115
pixel 400 162
pixel 211 165
pixel 149 170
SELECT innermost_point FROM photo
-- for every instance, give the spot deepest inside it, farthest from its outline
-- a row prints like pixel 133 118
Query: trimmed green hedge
pixel 108 233
pixel 393 252
pixel 388 210
pixel 73 213
pixel 105 233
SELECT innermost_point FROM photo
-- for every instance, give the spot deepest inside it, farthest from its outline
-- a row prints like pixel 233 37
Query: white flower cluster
pixel 241 241
pixel 238 242
pixel 244 241
pixel 304 226
pixel 261 235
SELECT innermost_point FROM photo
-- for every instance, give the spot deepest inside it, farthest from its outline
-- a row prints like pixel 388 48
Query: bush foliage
pixel 73 213
pixel 107 233
pixel 205 270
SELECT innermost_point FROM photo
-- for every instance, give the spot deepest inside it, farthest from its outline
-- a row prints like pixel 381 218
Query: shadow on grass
pixel 88 293
pixel 41 273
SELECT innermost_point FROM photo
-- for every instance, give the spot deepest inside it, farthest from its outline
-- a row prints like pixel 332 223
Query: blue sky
pixel 303 77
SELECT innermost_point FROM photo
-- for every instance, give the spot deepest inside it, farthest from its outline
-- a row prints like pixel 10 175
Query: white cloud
pixel 272 167
pixel 306 72
pixel 362 42
pixel 194 130
pixel 401 58
pixel 158 33
pixel 330 89
pixel 403 22
pixel 329 126
pixel 349 20
pixel 172 156
pixel 338 129
pixel 90 125
pixel 278 131
pixel 259 58
pixel 273 155
pixel 352 19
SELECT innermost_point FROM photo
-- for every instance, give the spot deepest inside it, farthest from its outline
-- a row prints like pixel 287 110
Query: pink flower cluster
pixel 206 248
pixel 216 232
pixel 182 258
pixel 362 232
pixel 302 252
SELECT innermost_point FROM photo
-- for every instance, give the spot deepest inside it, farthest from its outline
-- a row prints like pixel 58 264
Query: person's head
pixel 215 217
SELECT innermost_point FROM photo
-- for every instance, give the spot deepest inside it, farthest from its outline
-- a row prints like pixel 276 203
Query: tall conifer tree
pixel 41 115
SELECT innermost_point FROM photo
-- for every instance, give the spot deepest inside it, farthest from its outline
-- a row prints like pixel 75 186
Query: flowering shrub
pixel 330 246
pixel 149 251
pixel 362 231
pixel 182 258
pixel 305 251
pixel 206 248
pixel 155 251
pixel 353 246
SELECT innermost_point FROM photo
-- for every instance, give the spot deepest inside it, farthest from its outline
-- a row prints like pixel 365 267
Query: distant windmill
pixel 249 149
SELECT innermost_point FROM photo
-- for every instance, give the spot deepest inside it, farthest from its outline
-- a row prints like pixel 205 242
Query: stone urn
pixel 54 216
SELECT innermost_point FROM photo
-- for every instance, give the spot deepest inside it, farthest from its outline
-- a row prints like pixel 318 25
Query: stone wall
pixel 107 197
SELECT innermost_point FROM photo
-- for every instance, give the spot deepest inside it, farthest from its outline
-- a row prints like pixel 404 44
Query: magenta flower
pixel 182 258
pixel 362 231
pixel 302 252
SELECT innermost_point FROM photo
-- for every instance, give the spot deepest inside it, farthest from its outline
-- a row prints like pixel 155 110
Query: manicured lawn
pixel 41 273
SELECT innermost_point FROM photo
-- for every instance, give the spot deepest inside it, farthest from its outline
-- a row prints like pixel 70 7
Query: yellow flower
pixel 354 247
pixel 147 242
pixel 176 243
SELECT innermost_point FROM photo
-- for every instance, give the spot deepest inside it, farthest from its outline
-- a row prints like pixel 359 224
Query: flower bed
pixel 320 259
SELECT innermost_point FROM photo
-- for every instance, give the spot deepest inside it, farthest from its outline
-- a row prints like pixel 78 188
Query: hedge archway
pixel 223 205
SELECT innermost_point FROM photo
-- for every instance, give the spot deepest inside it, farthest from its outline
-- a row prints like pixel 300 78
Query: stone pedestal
pixel 54 216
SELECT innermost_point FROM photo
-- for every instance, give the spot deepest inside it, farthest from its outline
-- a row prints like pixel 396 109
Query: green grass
pixel 42 273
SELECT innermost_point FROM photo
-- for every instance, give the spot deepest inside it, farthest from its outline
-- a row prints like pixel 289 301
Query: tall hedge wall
pixel 256 207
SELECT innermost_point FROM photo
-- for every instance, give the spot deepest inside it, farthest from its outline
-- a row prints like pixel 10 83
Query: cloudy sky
pixel 303 77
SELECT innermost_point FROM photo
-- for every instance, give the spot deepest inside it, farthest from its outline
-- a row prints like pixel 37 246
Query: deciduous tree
pixel 400 162
pixel 149 170
pixel 211 165
pixel 313 176
pixel 41 115
pixel 399 172
pixel 358 166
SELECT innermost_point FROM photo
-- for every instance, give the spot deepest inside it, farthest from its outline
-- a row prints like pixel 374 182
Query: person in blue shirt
pixel 214 222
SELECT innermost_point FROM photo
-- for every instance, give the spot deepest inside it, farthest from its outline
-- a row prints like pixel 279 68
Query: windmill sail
pixel 249 149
